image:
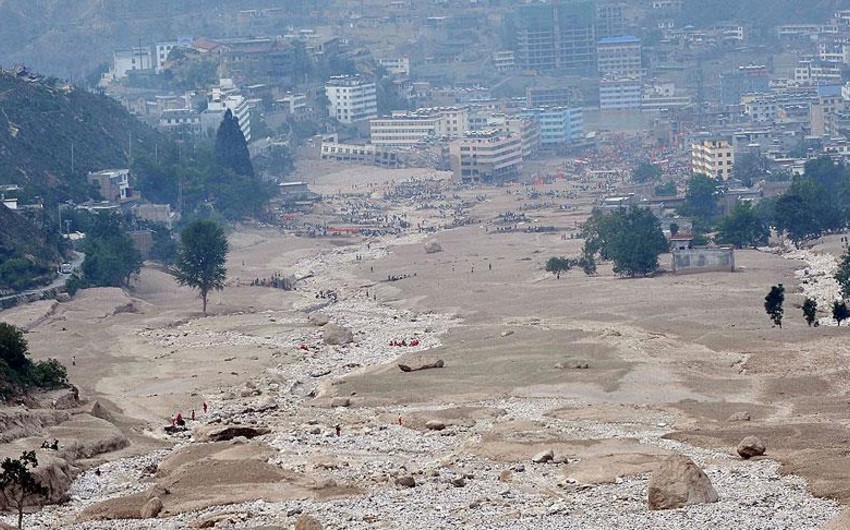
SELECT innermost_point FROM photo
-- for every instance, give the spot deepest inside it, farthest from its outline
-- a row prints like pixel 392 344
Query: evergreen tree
pixel 201 258
pixel 773 303
pixel 231 149
pixel 840 311
pixel 810 308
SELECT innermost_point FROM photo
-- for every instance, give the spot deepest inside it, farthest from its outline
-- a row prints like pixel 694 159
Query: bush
pixel 49 374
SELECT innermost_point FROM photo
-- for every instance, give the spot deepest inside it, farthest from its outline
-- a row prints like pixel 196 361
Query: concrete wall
pixel 703 260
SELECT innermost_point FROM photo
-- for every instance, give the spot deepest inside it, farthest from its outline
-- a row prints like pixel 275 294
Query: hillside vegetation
pixel 40 120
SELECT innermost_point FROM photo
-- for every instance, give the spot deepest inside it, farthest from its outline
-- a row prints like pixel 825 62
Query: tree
pixel 840 311
pixel 773 304
pixel 201 258
pixel 13 348
pixel 810 309
pixel 750 167
pixel 557 265
pixel 743 227
pixel 842 274
pixel 231 149
pixel 111 258
pixel 646 171
pixel 674 228
pixel 17 483
pixel 631 238
pixel 701 199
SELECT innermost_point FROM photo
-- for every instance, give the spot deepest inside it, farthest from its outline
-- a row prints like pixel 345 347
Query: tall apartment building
pixel 487 155
pixel 714 158
pixel 557 36
pixel 351 99
pixel 619 56
pixel 538 96
pixel 610 20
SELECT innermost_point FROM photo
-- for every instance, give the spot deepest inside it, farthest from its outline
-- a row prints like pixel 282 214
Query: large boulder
pixel 432 247
pixel 750 447
pixel 406 481
pixel 217 432
pixel 337 335
pixel 543 457
pixel 678 482
pixel 318 319
pixel 151 508
pixel 306 522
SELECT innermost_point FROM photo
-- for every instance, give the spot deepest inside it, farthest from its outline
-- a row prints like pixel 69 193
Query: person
pixel 490 266
pixel 73 360
pixel 193 415
pixel 55 444
pixel 205 407
pixel 97 472
pixel 400 420
pixel 338 429
pixel 179 420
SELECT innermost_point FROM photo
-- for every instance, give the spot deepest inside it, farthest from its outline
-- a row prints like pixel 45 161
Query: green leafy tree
pixel 674 228
pixel 810 309
pixel 794 215
pixel 842 275
pixel 773 304
pixel 750 168
pixel 13 348
pixel 557 265
pixel 646 171
pixel 631 238
pixel 111 258
pixel 840 311
pixel 201 258
pixel 18 372
pixel 701 199
pixel 18 486
pixel 743 227
pixel 231 149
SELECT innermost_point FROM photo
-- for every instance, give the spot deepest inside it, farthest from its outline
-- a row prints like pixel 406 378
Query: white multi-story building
pixel 620 94
pixel 124 61
pixel 619 56
pixel 409 128
pixel 487 155
pixel 221 99
pixel 558 125
pixel 714 158
pixel 351 99
pixel 396 65
pixel 817 73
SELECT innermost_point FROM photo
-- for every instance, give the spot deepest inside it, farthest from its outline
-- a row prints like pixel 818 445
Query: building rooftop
pixel 623 39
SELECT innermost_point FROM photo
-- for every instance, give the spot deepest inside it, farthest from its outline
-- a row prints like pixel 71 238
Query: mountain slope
pixel 40 121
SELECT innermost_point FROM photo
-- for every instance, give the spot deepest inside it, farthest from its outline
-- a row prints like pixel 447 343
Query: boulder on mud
pixel 407 368
pixel 216 432
pixel 307 522
pixel 750 447
pixel 318 319
pixel 151 508
pixel 335 335
pixel 678 482
pixel 432 247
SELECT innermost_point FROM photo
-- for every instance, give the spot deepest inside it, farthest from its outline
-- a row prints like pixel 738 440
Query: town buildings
pixel 487 155
pixel 112 184
pixel 714 158
pixel 619 56
pixel 558 36
pixel 351 99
